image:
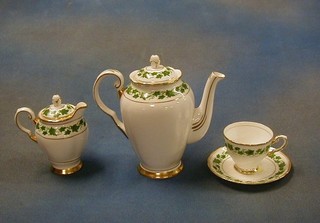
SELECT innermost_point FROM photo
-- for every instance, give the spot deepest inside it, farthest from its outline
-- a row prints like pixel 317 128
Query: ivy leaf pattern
pixel 54 114
pixel 220 157
pixel 75 128
pixel 145 74
pixel 52 131
pixel 247 152
pixel 64 111
pixel 135 93
pixel 63 130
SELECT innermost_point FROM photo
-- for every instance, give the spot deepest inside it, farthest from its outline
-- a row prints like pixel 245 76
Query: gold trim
pixel 68 170
pixel 250 144
pixel 247 144
pixel 164 174
pixel 198 125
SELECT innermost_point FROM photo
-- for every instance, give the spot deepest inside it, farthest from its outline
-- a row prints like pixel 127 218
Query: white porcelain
pixel 248 143
pixel 272 168
pixel 61 131
pixel 159 115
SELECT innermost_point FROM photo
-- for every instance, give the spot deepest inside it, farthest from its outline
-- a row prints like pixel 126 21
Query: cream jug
pixel 61 131
pixel 159 115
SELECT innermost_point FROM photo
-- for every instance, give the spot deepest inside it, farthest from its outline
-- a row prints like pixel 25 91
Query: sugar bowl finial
pixel 56 101
pixel 155 62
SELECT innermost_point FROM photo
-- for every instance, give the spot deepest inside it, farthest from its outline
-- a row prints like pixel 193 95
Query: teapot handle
pixel 31 116
pixel 119 86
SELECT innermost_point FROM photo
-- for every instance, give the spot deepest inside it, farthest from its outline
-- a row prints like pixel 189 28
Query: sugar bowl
pixel 61 132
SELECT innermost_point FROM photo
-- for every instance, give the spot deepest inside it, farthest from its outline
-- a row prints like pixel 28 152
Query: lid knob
pixel 56 101
pixel 155 62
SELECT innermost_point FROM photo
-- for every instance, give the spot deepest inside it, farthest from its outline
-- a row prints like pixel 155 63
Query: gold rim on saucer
pixel 160 174
pixel 272 168
pixel 68 170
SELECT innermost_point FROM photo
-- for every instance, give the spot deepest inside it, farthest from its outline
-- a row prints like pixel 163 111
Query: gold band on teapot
pixel 160 174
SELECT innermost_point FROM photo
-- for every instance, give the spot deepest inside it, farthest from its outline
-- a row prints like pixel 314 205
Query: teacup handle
pixel 31 116
pixel 284 144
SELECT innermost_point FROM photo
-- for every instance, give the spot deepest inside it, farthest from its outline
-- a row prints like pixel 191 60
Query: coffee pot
pixel 159 115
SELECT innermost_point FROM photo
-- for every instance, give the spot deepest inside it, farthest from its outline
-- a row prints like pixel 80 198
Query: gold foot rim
pixel 68 170
pixel 246 172
pixel 163 174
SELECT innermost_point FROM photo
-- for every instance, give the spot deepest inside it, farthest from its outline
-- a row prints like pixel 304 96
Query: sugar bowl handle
pixel 119 87
pixel 31 116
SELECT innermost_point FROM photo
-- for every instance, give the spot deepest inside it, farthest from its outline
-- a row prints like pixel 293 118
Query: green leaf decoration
pixel 46 112
pixel 166 73
pixel 247 152
pixel 129 90
pixel 75 128
pixel 64 130
pixel 170 93
pixel 145 74
pixel 64 111
pixel 135 93
pixel 185 86
pixel 52 131
pixel 218 160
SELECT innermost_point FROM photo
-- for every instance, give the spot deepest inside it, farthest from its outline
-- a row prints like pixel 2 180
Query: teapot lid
pixel 155 73
pixel 57 112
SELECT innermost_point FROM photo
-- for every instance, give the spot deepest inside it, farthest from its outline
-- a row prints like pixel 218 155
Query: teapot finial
pixel 155 62
pixel 56 101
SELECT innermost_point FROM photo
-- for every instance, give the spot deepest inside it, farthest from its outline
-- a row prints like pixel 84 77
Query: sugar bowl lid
pixel 57 112
pixel 155 73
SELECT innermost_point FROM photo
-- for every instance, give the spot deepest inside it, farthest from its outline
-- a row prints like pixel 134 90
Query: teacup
pixel 248 143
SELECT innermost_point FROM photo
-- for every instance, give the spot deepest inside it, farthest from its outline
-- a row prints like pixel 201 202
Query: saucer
pixel 272 168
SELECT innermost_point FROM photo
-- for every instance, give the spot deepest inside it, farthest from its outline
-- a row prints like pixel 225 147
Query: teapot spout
pixel 79 110
pixel 203 114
